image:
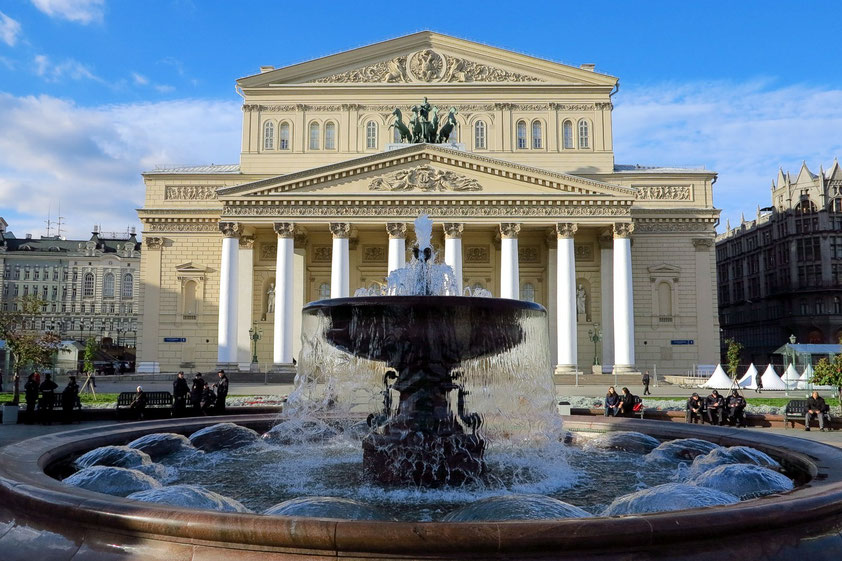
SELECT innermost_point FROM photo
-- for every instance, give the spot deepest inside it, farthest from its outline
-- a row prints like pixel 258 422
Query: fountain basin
pixel 39 514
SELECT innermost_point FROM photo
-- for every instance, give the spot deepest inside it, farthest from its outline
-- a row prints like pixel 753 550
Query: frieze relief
pixel 529 254
pixel 664 192
pixel 268 251
pixel 464 108
pixel 426 66
pixel 664 226
pixel 583 252
pixel 322 254
pixel 190 192
pixel 476 254
pixel 374 254
pixel 413 210
pixel 182 227
pixel 424 178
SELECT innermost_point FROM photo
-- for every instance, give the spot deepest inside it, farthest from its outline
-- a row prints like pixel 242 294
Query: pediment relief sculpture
pixel 427 66
pixel 424 178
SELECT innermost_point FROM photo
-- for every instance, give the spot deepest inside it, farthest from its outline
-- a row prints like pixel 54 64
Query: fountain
pixel 447 396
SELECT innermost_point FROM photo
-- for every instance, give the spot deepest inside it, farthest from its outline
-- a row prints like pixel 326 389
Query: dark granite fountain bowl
pixel 42 518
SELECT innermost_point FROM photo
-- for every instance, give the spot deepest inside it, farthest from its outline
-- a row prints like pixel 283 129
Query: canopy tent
pixel 719 380
pixel 805 382
pixel 791 377
pixel 771 380
pixel 749 379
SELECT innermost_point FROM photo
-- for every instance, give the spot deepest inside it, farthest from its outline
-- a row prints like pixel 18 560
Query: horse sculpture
pixel 406 135
pixel 448 126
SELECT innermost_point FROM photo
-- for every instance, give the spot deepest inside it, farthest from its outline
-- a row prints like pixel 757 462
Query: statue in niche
pixel 581 301
pixel 270 299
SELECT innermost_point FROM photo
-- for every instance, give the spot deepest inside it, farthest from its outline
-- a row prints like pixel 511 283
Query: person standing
pixel 759 384
pixel 612 403
pixel 645 381
pixel 815 406
pixel 30 389
pixel 48 398
pixel 715 406
pixel 69 399
pixel 180 391
pixel 221 387
pixel 196 393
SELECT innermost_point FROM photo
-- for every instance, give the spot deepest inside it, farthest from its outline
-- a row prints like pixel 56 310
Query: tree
pixel 829 373
pixel 91 349
pixel 733 356
pixel 28 347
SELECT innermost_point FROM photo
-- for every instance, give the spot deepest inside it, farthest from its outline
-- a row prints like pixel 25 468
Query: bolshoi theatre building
pixel 519 177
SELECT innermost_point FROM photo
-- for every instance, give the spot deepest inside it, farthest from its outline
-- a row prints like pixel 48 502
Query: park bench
pixel 797 408
pixel 153 399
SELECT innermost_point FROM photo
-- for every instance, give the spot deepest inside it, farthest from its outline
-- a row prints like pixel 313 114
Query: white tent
pixel 749 379
pixel 719 380
pixel 771 380
pixel 790 377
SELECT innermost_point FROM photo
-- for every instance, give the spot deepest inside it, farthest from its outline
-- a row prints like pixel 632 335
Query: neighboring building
pixel 781 274
pixel 90 287
pixel 527 194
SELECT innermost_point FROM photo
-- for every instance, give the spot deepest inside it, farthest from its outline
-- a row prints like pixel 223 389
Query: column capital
pixel 153 242
pixel 566 229
pixel 396 230
pixel 623 229
pixel 605 239
pixel 453 230
pixel 509 230
pixel 340 229
pixel 284 229
pixel 230 229
pixel 246 242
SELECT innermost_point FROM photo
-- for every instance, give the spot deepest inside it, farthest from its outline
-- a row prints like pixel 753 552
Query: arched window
pixel 521 135
pixel 269 135
pixel 837 305
pixel 324 291
pixel 128 286
pixel 190 298
pixel 371 135
pixel 479 135
pixel 584 134
pixel 283 143
pixel 567 134
pixel 835 206
pixel 527 292
pixel 818 306
pixel 88 285
pixel 330 136
pixel 537 136
pixel 664 300
pixel 314 136
pixel 108 286
pixel 806 206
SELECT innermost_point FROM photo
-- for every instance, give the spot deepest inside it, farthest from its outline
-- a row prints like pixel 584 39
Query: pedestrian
pixel 48 399
pixel 196 393
pixel 612 403
pixel 1 379
pixel 815 406
pixel 221 387
pixel 645 381
pixel 138 404
pixel 180 391
pixel 69 399
pixel 759 384
pixel 626 403
pixel 736 406
pixel 208 399
pixel 30 389
pixel 694 409
pixel 715 408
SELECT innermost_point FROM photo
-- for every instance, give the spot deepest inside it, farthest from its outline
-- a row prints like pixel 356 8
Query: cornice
pixel 461 107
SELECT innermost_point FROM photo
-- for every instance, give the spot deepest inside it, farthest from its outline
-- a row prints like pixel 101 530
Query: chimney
pixel 589 66
pixel 264 69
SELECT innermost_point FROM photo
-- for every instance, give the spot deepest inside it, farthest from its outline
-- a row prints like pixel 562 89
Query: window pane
pixel 128 282
pixel 584 141
pixel 284 142
pixel 330 136
pixel 536 135
pixel 479 135
pixel 568 134
pixel 371 135
pixel 268 136
pixel 314 136
pixel 108 286
pixel 521 134
pixel 88 286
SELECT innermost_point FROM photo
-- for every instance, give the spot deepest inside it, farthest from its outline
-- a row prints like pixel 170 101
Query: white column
pixel 606 276
pixel 227 334
pixel 566 299
pixel 453 250
pixel 552 291
pixel 339 269
pixel 623 300
pixel 397 245
pixel 509 273
pixel 284 291
pixel 245 297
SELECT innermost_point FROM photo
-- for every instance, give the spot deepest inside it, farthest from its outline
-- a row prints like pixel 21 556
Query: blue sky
pixel 94 91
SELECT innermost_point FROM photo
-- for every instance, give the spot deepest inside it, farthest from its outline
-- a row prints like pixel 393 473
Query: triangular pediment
pixel 427 57
pixel 664 270
pixel 189 269
pixel 426 169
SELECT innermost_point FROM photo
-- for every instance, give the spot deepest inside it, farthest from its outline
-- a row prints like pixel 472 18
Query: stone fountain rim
pixel 464 301
pixel 29 493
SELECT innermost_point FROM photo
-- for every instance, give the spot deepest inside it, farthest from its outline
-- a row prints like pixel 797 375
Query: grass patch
pixel 84 398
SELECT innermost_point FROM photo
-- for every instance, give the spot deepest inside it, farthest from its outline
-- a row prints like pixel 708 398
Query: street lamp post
pixel 254 335
pixel 595 335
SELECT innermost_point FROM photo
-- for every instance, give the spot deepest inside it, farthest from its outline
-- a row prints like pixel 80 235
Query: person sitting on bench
pixel 736 409
pixel 695 408
pixel 139 403
pixel 815 406
pixel 715 406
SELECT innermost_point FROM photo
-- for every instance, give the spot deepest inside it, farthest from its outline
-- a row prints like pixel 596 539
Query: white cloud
pixel 139 79
pixel 744 131
pixel 9 30
pixel 80 11
pixel 58 71
pixel 89 159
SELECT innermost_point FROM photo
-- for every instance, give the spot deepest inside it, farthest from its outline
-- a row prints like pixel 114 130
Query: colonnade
pixel 621 304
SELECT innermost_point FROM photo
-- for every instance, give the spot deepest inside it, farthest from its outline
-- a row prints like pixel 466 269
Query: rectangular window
pixel 37 274
pixel 26 274
pixel 55 274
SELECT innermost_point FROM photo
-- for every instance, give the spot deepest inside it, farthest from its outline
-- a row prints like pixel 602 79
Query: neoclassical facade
pixel 525 193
